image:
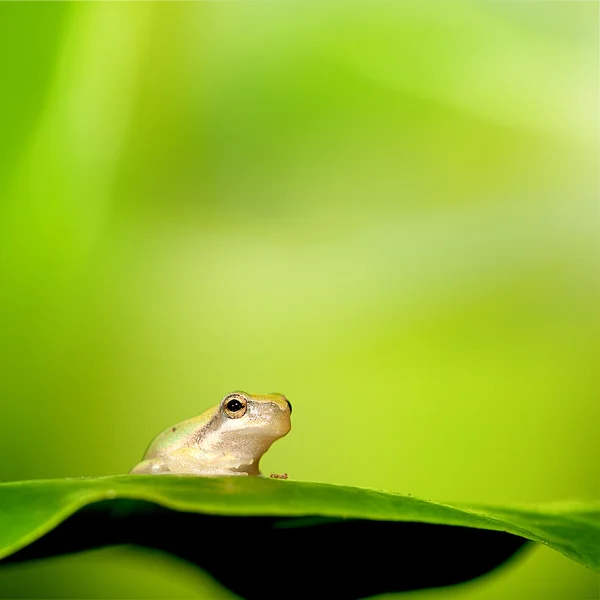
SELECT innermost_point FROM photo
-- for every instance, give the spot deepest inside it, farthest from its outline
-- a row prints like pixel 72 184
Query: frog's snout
pixel 289 405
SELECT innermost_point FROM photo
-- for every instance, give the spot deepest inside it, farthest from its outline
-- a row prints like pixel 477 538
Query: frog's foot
pixel 279 476
pixel 150 467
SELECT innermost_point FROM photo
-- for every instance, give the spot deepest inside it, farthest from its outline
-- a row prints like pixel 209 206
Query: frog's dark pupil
pixel 234 405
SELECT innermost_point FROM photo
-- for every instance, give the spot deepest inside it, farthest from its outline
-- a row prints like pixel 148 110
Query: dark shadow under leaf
pixel 283 557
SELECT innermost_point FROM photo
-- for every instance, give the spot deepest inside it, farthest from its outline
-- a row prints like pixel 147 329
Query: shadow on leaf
pixel 275 557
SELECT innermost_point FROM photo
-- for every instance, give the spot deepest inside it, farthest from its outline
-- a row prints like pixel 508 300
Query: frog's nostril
pixel 290 405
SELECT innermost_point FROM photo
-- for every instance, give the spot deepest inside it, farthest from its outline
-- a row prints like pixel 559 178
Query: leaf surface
pixel 267 538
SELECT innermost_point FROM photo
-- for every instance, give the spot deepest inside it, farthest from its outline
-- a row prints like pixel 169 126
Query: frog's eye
pixel 234 406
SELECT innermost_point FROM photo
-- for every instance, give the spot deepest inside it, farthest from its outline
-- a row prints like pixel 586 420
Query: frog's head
pixel 247 426
pixel 266 416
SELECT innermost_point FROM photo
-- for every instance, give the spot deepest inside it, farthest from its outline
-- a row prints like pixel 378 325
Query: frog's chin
pixel 258 433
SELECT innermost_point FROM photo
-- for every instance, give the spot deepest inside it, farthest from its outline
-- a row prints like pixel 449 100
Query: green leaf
pixel 267 538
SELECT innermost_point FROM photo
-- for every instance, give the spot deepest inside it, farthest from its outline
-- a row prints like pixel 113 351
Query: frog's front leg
pixel 153 466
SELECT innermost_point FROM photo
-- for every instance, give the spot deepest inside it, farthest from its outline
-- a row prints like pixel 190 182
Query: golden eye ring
pixel 234 406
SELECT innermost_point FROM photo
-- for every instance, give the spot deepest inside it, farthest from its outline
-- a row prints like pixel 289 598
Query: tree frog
pixel 228 439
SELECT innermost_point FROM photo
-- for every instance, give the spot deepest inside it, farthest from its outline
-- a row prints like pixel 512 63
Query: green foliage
pixel 386 212
pixel 199 519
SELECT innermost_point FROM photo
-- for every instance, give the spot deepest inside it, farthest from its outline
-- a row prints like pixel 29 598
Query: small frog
pixel 228 439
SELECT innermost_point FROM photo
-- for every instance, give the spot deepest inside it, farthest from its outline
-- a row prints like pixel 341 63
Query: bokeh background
pixel 387 211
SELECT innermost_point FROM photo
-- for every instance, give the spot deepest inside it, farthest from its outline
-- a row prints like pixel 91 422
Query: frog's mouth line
pixel 253 432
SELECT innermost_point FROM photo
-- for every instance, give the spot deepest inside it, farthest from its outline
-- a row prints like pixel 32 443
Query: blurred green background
pixel 386 211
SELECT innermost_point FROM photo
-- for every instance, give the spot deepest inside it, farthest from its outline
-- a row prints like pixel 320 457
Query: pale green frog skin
pixel 228 439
